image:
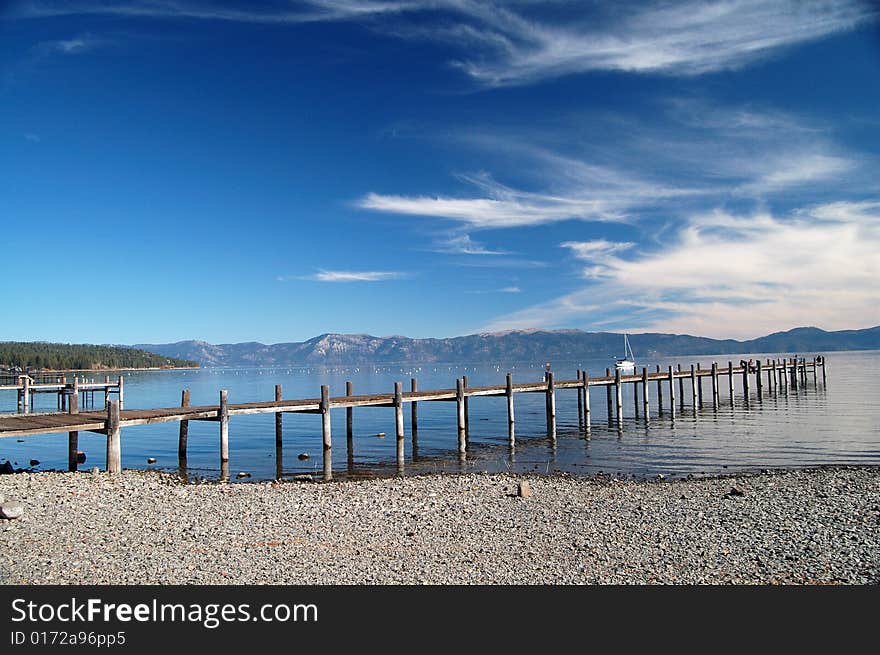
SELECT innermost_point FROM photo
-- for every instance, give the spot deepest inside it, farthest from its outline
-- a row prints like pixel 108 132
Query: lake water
pixel 833 423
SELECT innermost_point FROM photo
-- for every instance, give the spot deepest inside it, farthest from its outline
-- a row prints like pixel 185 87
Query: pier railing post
pixel 349 413
pixel 815 381
pixel 551 405
pixel 120 385
pixel 715 385
pixel 671 392
pixel 645 404
pixel 223 416
pixel 73 402
pixel 659 392
pixel 510 415
pixel 618 398
pixel 823 369
pixel 326 433
pixel 73 442
pixel 398 421
pixel 730 382
pixel 680 388
pixel 694 388
pixel 585 377
pixel 459 403
pixel 114 446
pixel 746 394
pixel 26 394
pixel 635 397
pixel 183 435
pixel 774 376
pixel 759 382
pixel 414 412
pixel 580 399
pixel 467 407
pixel 279 421
pixel 608 401
pixel 106 390
pixel 700 384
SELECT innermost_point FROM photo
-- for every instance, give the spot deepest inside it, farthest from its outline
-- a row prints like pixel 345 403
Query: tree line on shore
pixel 38 355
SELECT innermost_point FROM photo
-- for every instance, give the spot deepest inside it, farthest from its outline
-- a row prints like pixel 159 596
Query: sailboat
pixel 628 363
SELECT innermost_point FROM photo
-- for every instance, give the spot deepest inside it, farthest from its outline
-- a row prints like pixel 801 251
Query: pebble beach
pixel 809 526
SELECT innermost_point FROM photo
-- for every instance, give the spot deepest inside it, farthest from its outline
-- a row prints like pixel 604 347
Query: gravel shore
pixel 790 527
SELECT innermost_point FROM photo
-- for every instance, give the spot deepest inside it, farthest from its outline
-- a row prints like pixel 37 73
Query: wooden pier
pixel 78 391
pixel 780 374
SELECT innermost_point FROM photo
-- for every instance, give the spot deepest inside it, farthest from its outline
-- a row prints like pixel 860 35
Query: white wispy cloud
pixel 626 167
pixel 734 275
pixel 510 289
pixel 72 46
pixel 683 38
pixel 515 43
pixel 464 245
pixel 353 276
pixel 283 11
pixel 587 192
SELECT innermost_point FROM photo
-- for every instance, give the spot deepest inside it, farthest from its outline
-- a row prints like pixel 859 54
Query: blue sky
pixel 176 169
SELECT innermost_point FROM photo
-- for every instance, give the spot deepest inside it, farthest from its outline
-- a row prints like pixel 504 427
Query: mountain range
pixel 510 346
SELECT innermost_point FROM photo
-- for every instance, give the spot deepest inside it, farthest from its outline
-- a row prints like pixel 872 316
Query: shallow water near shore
pixel 834 423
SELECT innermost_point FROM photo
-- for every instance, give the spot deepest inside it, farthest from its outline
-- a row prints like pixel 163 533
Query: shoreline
pixel 112 370
pixel 800 526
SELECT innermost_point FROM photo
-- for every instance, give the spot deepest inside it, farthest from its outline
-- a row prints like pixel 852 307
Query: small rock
pixel 11 509
pixel 35 462
pixel 80 457
pixel 303 456
pixel 381 435
pixel 735 492
pixel 242 474
pixel 303 478
pixel 660 476
pixel 95 471
pixel 20 440
pixel 151 460
pixel 524 490
pixel 6 467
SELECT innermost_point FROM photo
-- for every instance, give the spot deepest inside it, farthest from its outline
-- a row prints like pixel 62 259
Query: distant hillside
pixel 513 346
pixel 60 356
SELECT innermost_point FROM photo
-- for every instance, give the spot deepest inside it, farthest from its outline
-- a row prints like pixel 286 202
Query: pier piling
pixel 510 416
pixel 326 433
pixel 715 385
pixel 608 398
pixel 459 402
pixel 585 386
pixel 223 417
pixel 398 421
pixel 414 412
pixel 114 440
pixel 73 445
pixel 618 398
pixel 183 432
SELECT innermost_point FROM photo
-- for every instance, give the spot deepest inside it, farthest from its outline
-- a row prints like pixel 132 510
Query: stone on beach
pixel 11 509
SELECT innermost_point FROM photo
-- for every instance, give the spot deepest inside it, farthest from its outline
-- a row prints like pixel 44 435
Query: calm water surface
pixel 834 423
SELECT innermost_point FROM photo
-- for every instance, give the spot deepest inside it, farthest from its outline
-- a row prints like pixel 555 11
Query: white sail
pixel 628 363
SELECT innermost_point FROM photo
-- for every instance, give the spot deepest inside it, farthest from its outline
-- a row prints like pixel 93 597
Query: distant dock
pixel 754 379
